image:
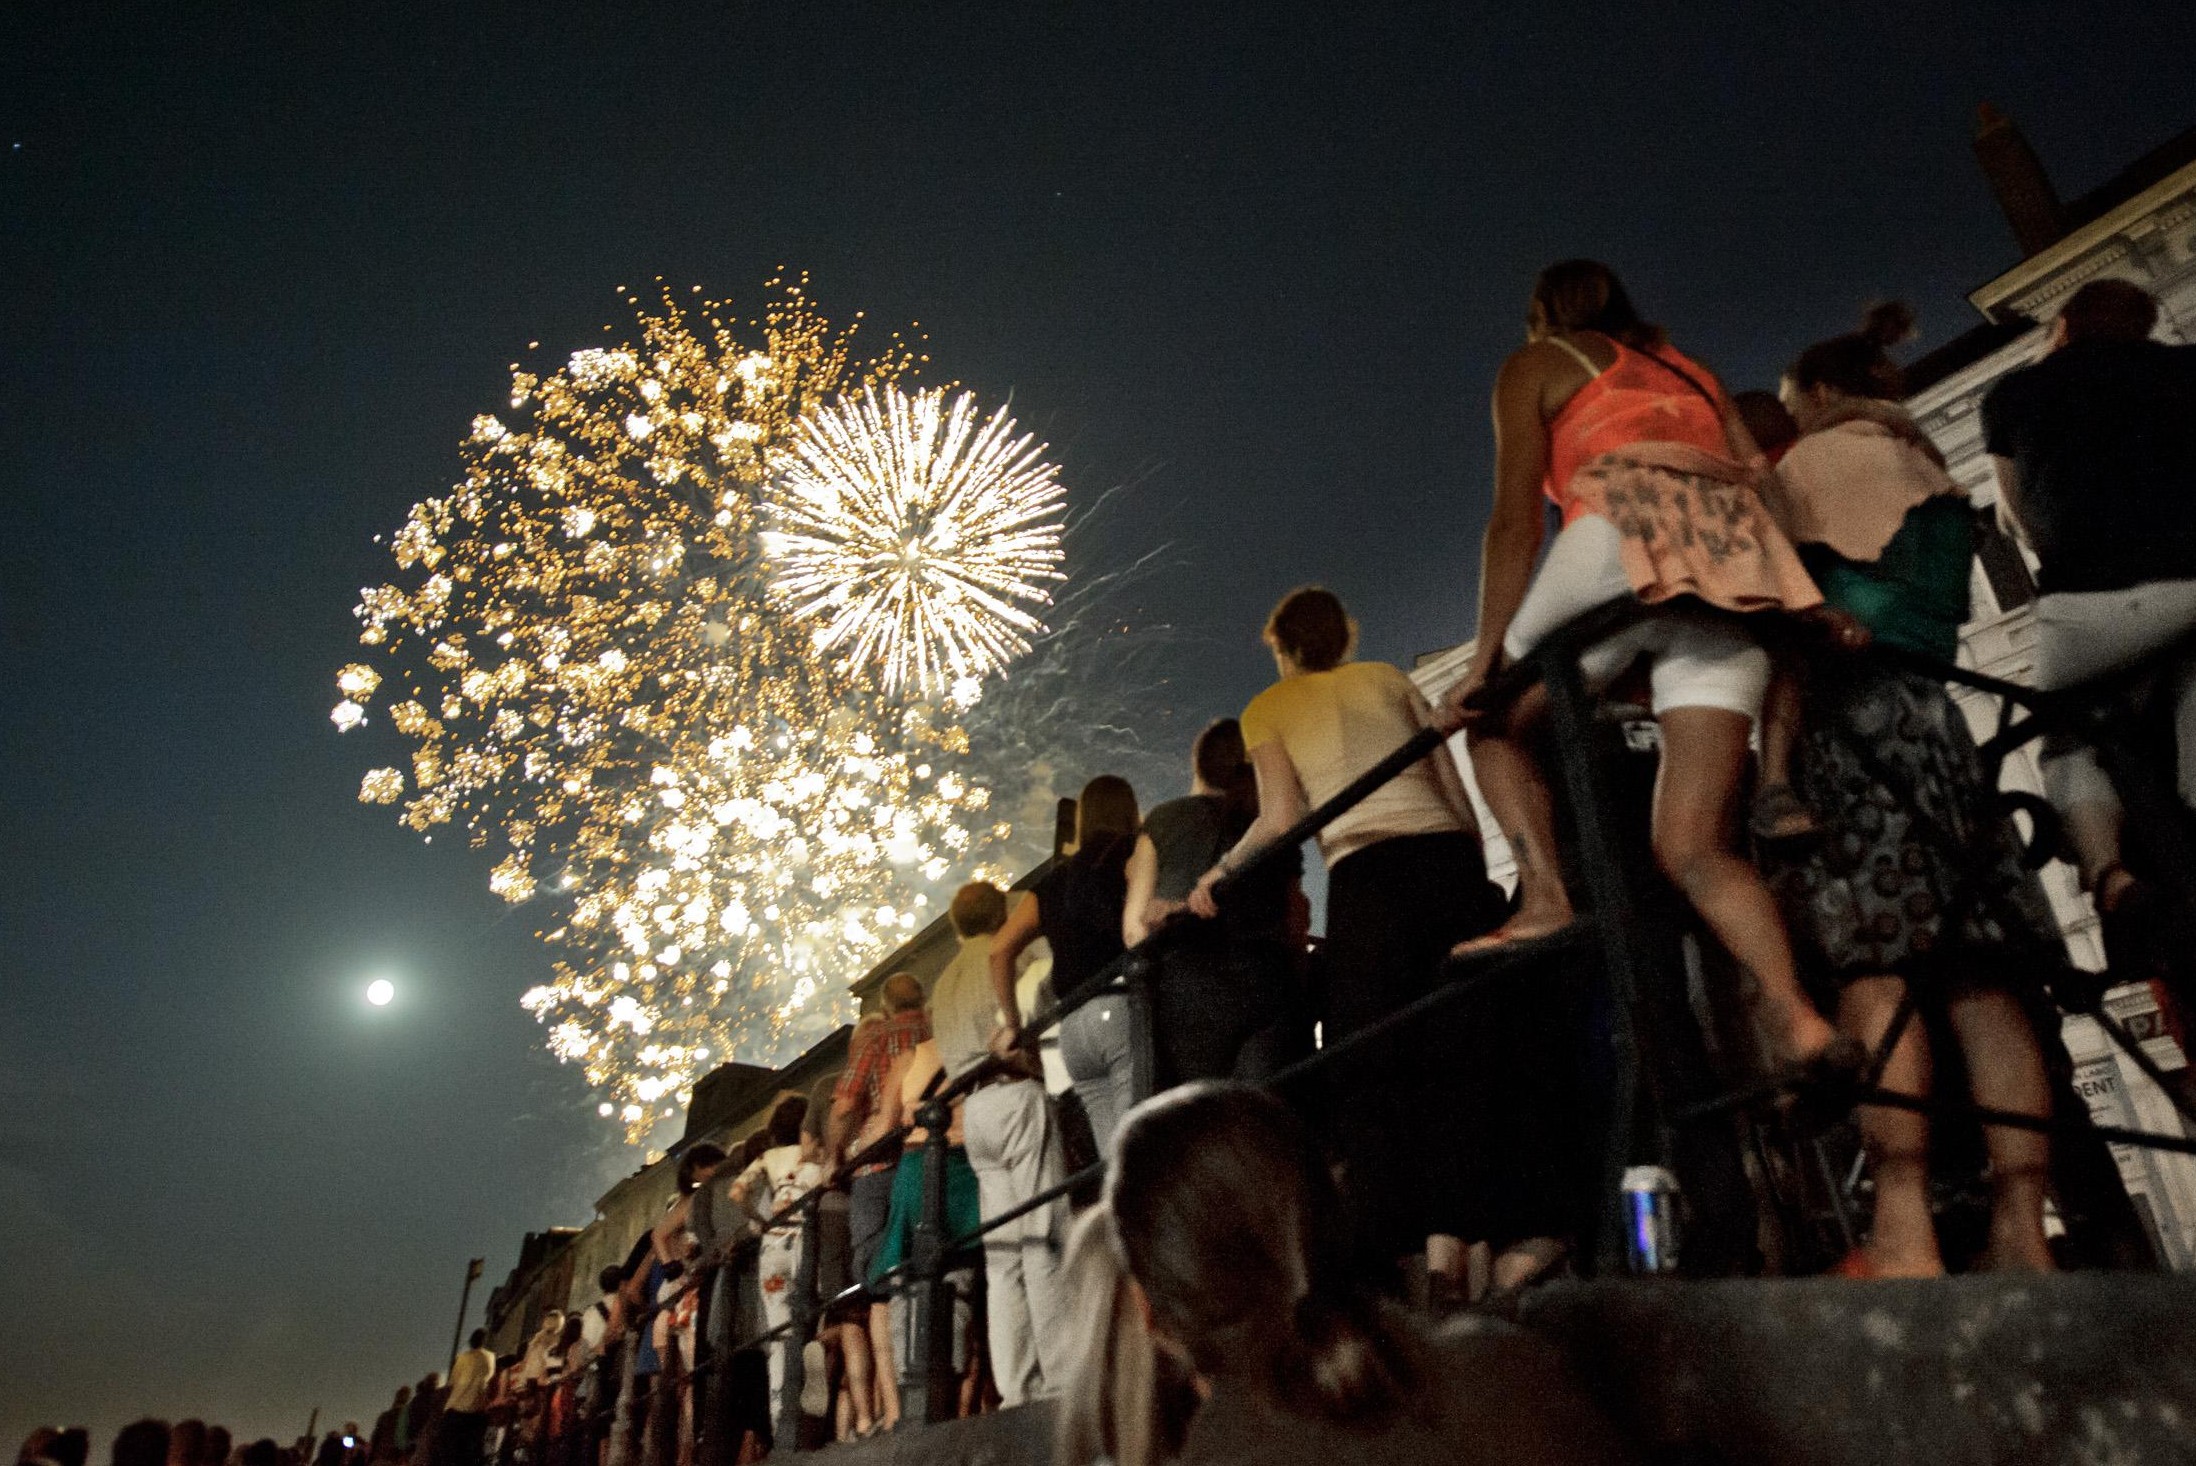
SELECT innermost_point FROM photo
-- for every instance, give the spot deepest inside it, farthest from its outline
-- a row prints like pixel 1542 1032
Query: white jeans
pixel 779 1263
pixel 1697 662
pixel 1014 1148
pixel 2081 635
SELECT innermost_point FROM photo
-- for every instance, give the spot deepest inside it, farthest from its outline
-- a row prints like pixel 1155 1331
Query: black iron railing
pixel 1617 936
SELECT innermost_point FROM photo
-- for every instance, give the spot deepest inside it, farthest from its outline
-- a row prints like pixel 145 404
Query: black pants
pixel 459 1438
pixel 1220 1013
pixel 1463 1123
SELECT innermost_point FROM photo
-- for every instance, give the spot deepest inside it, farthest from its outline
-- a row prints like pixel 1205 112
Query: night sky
pixel 259 266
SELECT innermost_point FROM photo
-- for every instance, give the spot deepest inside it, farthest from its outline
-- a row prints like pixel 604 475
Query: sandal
pixel 1781 817
pixel 1505 1299
pixel 815 1379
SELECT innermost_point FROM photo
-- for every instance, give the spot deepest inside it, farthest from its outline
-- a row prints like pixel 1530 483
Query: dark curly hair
pixel 1859 363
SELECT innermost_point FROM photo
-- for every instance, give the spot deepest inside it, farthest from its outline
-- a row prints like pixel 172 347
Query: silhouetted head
pixel 1106 818
pixel 1219 1252
pixel 979 909
pixel 902 993
pixel 1586 295
pixel 1310 631
pixel 1857 365
pixel 142 1443
pixel 696 1163
pixel 785 1119
pixel 2108 310
pixel 1230 1223
pixel 186 1442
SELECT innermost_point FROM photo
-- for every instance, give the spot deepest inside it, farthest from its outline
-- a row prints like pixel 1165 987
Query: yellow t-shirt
pixel 1334 725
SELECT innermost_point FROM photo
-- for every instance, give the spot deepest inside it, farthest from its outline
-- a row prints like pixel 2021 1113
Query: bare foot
pixel 1894 1265
pixel 1799 1035
pixel 1522 927
pixel 1528 1262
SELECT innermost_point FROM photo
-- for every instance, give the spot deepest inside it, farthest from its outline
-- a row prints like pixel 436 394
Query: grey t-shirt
pixel 1189 835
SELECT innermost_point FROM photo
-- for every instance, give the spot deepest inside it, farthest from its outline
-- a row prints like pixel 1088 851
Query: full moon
pixel 380 991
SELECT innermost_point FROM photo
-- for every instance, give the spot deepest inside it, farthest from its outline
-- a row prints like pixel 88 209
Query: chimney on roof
pixel 2017 178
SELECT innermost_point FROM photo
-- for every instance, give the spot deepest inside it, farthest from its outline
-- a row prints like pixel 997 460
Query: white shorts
pixel 1697 661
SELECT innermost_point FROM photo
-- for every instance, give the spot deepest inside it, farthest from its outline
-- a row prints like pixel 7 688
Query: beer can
pixel 1651 1216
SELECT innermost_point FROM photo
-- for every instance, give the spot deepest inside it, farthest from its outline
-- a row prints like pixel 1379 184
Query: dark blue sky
pixel 259 267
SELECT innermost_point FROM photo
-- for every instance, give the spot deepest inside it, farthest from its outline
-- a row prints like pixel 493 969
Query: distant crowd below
pixel 1819 808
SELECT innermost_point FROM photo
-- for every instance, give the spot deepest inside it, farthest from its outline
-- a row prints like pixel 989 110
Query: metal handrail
pixel 1552 664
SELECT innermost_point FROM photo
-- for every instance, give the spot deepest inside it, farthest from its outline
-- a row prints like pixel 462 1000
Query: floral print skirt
pixel 1917 871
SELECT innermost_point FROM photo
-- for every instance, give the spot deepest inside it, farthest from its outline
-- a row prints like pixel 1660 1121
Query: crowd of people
pixel 1819 806
pixel 400 1434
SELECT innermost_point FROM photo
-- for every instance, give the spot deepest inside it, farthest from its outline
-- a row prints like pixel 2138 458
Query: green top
pixel 1915 594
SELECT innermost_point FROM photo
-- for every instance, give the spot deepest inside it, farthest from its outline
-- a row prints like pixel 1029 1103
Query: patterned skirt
pixel 1692 525
pixel 1917 871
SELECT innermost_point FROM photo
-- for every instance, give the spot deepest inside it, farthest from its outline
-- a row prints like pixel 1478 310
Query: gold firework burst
pixel 918 535
pixel 596 680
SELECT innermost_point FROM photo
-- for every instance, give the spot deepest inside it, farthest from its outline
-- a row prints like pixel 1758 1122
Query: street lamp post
pixel 465 1299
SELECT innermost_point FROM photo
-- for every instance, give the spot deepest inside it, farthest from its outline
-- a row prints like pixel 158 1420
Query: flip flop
pixel 815 1379
pixel 1780 817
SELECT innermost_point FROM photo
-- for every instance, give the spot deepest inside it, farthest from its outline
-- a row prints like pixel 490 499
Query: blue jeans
pixel 1094 1044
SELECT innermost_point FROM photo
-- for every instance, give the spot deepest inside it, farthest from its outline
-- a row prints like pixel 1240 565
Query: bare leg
pixel 2007 1073
pixel 861 1383
pixel 887 1369
pixel 1516 791
pixel 1703 758
pixel 1902 1239
pixel 1448 1272
pixel 1778 814
pixel 2094 832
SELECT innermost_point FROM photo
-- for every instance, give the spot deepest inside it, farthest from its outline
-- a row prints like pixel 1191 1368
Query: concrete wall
pixel 2058 1371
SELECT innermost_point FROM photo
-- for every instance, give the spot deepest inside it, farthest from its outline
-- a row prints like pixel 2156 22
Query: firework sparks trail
pixel 917 535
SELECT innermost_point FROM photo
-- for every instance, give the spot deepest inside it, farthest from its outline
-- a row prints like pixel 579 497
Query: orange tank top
pixel 1638 398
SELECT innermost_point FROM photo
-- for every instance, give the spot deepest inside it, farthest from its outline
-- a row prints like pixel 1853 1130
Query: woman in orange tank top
pixel 1653 472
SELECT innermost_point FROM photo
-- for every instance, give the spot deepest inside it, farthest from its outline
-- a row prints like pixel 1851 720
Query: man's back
pixel 963 1008
pixel 469 1380
pixel 2102 435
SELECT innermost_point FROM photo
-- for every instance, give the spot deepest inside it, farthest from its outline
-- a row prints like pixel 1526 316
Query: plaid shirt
pixel 862 1085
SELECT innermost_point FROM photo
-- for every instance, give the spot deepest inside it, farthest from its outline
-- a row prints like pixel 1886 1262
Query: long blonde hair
pixel 1127 1402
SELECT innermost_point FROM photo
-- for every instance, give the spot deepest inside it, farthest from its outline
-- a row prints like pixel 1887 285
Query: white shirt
pixel 776 1180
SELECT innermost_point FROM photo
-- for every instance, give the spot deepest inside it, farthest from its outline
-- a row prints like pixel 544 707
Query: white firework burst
pixel 918 537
